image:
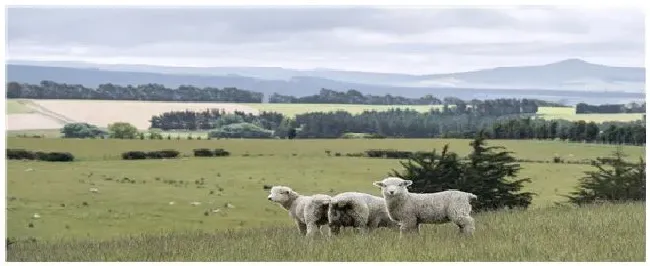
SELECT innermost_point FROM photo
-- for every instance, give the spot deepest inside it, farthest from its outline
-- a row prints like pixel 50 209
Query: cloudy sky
pixel 400 40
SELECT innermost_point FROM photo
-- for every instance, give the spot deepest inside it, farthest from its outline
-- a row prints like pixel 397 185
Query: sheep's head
pixel 393 186
pixel 281 194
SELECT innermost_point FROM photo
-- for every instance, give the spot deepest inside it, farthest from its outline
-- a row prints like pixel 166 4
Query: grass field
pixel 17 107
pixel 131 217
pixel 559 234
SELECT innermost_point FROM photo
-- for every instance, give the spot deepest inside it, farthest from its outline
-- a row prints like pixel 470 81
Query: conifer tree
pixel 614 180
pixel 492 172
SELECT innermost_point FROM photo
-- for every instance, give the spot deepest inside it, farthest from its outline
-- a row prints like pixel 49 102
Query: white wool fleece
pixel 360 210
pixel 413 209
pixel 308 212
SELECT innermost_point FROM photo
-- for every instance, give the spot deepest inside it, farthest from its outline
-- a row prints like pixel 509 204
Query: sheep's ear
pixel 379 184
pixel 407 183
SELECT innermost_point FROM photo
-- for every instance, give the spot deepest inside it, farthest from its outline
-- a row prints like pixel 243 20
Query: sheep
pixel 355 209
pixel 413 209
pixel 308 212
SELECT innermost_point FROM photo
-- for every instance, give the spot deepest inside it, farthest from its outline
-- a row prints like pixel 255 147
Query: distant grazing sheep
pixel 360 210
pixel 308 212
pixel 413 209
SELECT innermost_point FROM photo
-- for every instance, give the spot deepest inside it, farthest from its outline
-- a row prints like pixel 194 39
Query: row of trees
pixel 356 97
pixel 398 123
pixel 633 107
pixel 412 124
pixel 491 174
pixel 146 92
pixel 213 118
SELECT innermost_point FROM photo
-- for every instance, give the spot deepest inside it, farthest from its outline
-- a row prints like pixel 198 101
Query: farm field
pixel 24 114
pixel 133 203
pixel 17 107
pixel 559 234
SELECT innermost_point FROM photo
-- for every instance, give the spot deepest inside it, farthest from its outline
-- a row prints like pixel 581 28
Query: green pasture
pixel 215 209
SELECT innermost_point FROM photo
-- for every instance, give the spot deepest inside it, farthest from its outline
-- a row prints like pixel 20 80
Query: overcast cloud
pixel 400 40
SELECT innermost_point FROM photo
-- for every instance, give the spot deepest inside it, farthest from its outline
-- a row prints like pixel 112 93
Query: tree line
pixel 356 97
pixel 212 119
pixel 491 173
pixel 398 123
pixel 412 124
pixel 145 92
pixel 633 107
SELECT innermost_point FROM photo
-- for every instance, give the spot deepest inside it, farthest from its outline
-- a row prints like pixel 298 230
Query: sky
pixel 397 40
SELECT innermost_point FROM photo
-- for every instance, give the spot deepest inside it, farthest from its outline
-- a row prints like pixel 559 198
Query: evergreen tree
pixel 431 172
pixel 613 180
pixel 492 173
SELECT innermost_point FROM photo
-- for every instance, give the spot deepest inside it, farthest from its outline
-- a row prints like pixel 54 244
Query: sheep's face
pixel 281 194
pixel 393 186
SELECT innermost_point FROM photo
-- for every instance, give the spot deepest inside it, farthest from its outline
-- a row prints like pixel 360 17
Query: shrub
pixel 613 179
pixel 141 155
pixel 203 152
pixel 20 154
pixel 122 130
pixel 56 157
pixel 390 154
pixel 169 153
pixel 241 130
pixel 134 155
pixel 153 155
pixel 81 130
pixel 557 159
pixel 221 152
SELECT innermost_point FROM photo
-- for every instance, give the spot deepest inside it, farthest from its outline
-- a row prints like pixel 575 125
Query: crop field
pixel 24 114
pixel 143 209
pixel 569 113
pixel 17 107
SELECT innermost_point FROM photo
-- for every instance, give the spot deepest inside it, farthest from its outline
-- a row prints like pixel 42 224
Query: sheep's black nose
pixel 269 198
pixel 392 192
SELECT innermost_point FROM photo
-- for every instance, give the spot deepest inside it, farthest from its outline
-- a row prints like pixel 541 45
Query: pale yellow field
pixel 569 113
pixel 53 114
pixel 102 113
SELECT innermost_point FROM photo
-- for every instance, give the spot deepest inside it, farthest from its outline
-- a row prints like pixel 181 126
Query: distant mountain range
pixel 561 81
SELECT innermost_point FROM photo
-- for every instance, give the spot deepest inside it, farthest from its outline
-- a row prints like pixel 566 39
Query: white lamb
pixel 413 209
pixel 360 210
pixel 308 212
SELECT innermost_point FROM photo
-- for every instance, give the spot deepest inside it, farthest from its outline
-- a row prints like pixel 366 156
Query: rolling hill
pixel 564 81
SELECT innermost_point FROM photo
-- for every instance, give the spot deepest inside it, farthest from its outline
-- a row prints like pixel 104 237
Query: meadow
pixel 143 210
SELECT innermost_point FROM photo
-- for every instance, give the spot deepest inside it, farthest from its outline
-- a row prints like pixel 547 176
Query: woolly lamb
pixel 413 209
pixel 309 212
pixel 354 209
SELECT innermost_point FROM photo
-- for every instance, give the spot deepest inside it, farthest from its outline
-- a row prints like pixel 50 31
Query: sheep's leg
pixel 465 224
pixel 458 213
pixel 320 229
pixel 334 230
pixel 364 230
pixel 409 227
pixel 301 227
pixel 311 229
